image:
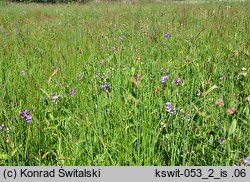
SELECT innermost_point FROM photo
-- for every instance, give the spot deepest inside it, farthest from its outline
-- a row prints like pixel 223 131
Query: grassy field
pixel 125 84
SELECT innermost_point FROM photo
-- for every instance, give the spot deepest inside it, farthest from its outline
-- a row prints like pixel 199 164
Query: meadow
pixel 119 84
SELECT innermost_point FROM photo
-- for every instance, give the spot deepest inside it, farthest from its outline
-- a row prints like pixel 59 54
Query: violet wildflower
pixel 167 35
pixel 55 97
pixel 28 118
pixel 25 115
pixel 26 112
pixel 221 140
pixel 21 115
pixel 173 111
pixel 105 87
pixel 164 78
pixel 72 91
pixel 177 81
pixel 1 126
pixel 168 107
pixel 247 160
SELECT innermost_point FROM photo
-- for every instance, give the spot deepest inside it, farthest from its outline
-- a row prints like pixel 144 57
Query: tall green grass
pixel 49 49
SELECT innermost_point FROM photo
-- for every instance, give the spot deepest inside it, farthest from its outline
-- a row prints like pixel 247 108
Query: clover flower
pixel 231 110
pixel 219 102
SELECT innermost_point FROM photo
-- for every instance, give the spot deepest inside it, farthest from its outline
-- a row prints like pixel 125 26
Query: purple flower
pixel 173 111
pixel 72 91
pixel 25 114
pixel 21 115
pixel 1 126
pixel 167 35
pixel 55 97
pixel 247 160
pixel 177 81
pixel 164 78
pixel 221 140
pixel 168 107
pixel 28 118
pixel 105 87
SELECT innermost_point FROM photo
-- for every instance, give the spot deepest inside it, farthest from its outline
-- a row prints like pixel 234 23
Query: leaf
pixel 232 127
pixel 3 156
pixel 53 74
pixel 46 93
pixel 210 90
pixel 45 155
